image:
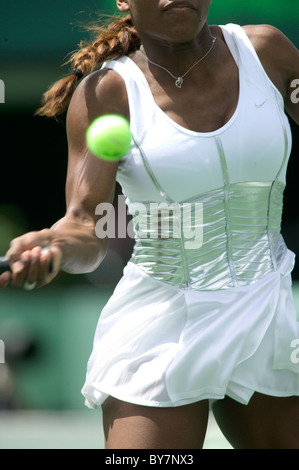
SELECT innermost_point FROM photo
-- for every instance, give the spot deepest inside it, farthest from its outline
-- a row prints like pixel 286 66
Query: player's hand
pixel 34 261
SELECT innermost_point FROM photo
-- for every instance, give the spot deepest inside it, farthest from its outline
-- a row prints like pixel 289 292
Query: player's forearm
pixel 82 251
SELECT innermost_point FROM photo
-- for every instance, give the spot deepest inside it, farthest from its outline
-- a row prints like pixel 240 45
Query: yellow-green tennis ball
pixel 109 137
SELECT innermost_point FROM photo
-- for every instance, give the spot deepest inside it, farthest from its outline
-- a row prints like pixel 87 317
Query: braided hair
pixel 112 42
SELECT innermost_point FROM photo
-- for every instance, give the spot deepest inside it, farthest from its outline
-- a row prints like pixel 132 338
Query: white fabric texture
pixel 163 346
pixel 253 140
pixel 158 344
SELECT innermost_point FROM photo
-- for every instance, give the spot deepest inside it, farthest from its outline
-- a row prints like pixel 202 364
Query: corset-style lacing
pixel 191 245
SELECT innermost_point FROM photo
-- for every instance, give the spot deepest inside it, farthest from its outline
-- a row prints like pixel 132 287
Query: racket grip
pixel 5 266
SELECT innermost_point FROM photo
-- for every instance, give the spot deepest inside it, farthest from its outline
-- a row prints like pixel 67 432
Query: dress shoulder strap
pixel 247 58
pixel 139 94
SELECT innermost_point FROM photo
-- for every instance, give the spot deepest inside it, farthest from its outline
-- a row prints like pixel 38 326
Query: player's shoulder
pixel 273 47
pixel 268 38
pixel 101 92
pixel 105 84
pixel 262 30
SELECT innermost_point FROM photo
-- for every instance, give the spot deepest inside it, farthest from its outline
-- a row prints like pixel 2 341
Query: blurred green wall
pixel 43 30
pixel 32 28
pixel 48 336
pixel 35 36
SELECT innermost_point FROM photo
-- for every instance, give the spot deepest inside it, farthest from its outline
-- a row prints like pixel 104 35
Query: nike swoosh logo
pixel 259 105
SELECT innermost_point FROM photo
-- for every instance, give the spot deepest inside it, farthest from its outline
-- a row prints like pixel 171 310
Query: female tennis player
pixel 187 325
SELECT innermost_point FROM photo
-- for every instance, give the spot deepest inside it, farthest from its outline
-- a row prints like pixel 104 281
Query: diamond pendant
pixel 179 82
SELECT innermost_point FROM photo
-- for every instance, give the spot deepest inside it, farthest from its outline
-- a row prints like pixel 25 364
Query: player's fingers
pixel 48 266
pixel 52 257
pixel 34 268
pixel 44 266
pixel 20 269
pixel 31 269
pixel 4 280
pixel 25 243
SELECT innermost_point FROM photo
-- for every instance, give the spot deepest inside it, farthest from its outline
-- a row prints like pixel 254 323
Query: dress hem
pixel 214 394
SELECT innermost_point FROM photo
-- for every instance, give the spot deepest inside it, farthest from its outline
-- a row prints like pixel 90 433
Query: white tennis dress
pixel 204 308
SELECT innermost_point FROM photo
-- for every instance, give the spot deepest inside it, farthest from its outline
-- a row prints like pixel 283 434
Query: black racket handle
pixel 5 266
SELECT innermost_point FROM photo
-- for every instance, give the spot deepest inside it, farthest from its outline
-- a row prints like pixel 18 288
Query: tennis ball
pixel 109 137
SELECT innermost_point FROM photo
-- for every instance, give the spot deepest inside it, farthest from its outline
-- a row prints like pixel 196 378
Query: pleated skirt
pixel 163 346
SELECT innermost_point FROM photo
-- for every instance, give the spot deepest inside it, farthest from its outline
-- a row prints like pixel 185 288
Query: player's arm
pixel 90 181
pixel 73 242
pixel 280 59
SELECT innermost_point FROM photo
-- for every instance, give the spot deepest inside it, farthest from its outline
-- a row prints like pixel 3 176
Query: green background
pixel 36 36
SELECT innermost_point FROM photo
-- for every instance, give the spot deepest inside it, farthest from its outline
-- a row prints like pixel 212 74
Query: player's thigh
pixel 265 423
pixel 129 426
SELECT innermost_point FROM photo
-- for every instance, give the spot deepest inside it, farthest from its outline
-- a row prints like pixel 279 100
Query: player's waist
pixel 214 242
pixel 208 268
